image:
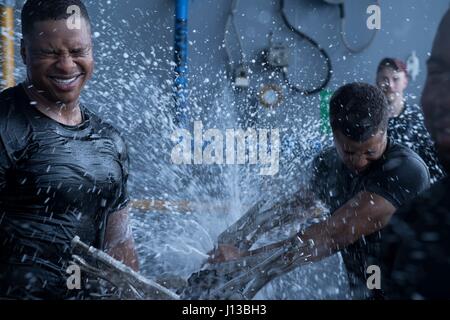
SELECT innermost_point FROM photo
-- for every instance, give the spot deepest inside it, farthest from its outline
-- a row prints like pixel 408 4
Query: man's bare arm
pixel 362 215
pixel 119 242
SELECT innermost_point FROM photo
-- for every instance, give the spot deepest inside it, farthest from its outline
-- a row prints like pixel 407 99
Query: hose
pixel 314 44
pixel 342 33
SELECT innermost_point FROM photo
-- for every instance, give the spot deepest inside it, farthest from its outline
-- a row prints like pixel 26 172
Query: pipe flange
pixel 270 95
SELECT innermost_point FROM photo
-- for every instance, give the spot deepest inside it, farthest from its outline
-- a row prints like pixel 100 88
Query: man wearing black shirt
pixel 363 179
pixel 406 121
pixel 396 177
pixel 63 171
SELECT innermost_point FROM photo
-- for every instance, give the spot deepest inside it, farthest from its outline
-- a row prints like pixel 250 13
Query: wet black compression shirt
pixel 56 181
pixel 398 176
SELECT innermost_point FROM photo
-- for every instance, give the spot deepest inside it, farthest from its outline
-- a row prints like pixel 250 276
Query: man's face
pixel 392 83
pixel 357 156
pixel 59 60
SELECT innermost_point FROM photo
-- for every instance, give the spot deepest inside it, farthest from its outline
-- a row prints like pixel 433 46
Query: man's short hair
pixel 393 63
pixel 42 10
pixel 359 111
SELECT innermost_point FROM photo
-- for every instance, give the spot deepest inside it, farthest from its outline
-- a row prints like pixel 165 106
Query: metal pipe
pixel 7 41
pixel 181 54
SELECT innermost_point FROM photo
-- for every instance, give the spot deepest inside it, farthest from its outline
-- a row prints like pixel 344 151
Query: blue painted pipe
pixel 180 83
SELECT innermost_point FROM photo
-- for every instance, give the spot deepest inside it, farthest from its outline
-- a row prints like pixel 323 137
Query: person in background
pixel 406 123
